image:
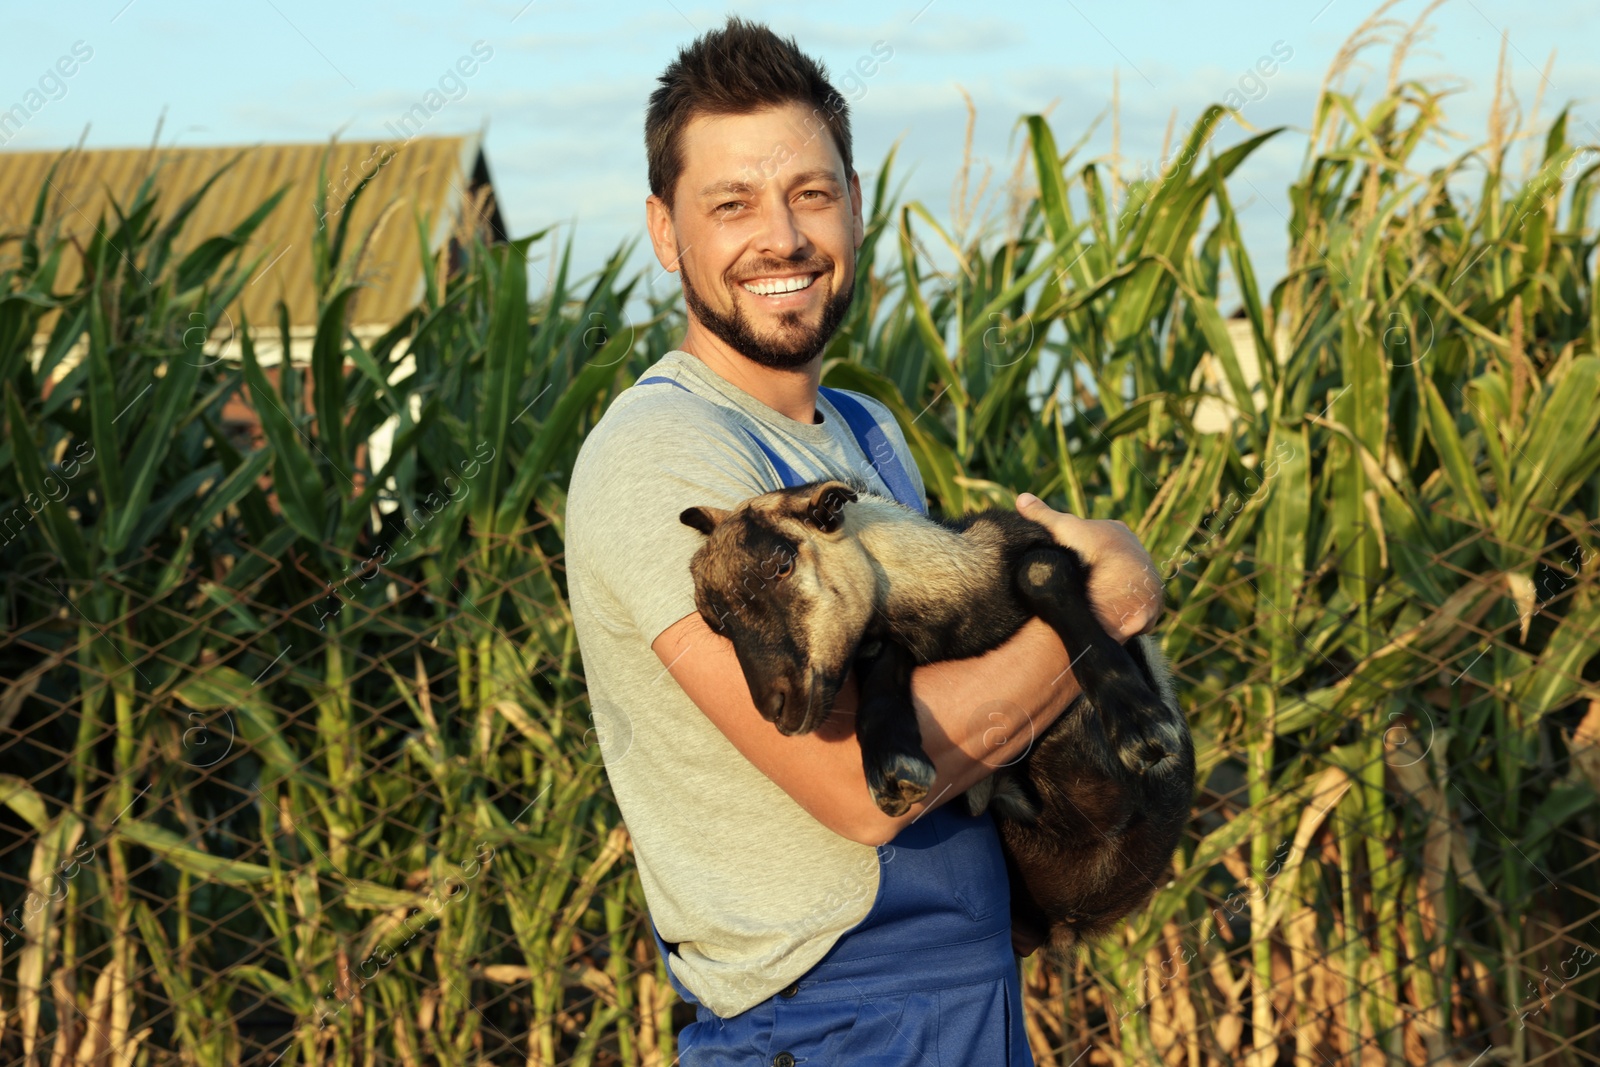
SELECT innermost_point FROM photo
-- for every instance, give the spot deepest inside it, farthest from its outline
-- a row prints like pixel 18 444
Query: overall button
pixel 790 990
pixel 783 1059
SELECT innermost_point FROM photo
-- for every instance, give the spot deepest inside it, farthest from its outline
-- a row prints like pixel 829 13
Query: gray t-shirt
pixel 752 888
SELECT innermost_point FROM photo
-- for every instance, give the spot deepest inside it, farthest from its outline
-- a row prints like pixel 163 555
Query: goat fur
pixel 810 581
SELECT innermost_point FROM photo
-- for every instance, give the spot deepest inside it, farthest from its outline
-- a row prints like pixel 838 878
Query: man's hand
pixel 1124 586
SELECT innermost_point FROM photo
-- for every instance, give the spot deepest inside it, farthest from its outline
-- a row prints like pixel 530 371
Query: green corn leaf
pixel 22 798
pixel 359 510
pixel 1173 518
pixel 1244 272
pixel 223 688
pixel 555 433
pixel 1458 467
pixel 1556 678
pixel 171 848
pixel 930 334
pixel 105 409
pixel 156 517
pixel 1052 185
pixel 167 406
pixel 201 263
pixel 503 371
pixel 1489 400
pixel 224 495
pixel 1558 435
pixel 1565 802
pixel 295 479
pixel 42 507
pixel 1282 541
pixel 1216 334
pixel 327 374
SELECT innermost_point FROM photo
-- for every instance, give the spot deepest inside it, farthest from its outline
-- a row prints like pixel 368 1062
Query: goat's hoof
pixel 1150 748
pixel 1144 756
pixel 905 779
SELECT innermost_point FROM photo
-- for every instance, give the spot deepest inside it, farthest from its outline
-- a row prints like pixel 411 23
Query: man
pixel 804 924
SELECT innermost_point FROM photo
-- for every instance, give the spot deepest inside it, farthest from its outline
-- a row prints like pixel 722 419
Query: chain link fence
pixel 373 827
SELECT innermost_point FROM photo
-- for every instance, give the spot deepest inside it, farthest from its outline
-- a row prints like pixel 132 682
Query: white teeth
pixel 778 286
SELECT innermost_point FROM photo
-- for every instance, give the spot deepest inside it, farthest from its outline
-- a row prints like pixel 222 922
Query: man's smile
pixel 773 286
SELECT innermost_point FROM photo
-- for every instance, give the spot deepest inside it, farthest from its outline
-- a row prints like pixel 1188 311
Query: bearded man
pixel 804 924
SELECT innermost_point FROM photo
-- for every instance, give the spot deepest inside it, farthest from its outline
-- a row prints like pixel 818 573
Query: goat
pixel 810 581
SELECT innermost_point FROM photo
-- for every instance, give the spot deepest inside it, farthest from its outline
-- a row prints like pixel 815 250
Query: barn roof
pixel 434 177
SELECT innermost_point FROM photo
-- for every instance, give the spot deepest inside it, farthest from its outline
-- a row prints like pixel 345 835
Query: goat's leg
pixel 1114 773
pixel 898 772
pixel 1102 836
pixel 1101 844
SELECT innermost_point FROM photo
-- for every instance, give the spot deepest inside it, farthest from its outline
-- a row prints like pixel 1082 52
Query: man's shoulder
pixel 658 418
pixel 656 403
pixel 653 437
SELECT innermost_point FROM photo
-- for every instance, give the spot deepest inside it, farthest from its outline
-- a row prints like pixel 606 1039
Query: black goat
pixel 812 580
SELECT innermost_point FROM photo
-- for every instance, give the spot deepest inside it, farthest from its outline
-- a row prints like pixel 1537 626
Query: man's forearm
pixel 977 715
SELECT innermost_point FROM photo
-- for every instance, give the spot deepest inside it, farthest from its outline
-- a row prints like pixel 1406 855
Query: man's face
pixel 764 230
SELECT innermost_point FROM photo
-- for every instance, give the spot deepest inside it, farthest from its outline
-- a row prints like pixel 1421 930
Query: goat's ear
pixel 826 511
pixel 704 519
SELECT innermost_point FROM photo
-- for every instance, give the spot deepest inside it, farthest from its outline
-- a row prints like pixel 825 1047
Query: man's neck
pixel 792 393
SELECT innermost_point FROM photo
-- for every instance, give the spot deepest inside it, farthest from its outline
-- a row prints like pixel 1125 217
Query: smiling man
pixel 804 924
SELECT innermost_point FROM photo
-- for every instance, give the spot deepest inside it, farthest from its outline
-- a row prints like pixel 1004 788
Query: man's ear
pixel 857 226
pixel 663 232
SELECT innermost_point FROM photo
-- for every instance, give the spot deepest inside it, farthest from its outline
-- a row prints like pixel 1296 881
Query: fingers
pixel 1085 536
pixel 1037 510
pixel 1027 501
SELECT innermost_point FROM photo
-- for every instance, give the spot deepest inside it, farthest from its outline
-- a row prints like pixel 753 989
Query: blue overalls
pixel 928 976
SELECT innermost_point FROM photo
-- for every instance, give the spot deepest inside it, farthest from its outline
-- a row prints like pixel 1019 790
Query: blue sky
pixel 562 96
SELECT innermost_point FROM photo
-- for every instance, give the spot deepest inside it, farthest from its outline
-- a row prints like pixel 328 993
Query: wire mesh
pixel 373 827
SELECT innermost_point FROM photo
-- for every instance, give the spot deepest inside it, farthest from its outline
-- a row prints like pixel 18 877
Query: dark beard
pixel 795 346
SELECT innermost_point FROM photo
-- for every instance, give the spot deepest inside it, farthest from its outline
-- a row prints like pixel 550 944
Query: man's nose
pixel 779 237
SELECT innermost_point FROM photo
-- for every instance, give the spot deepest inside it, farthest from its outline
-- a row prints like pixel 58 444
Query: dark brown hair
pixel 741 68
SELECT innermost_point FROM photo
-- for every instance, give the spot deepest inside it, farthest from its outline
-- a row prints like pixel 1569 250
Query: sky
pixel 562 91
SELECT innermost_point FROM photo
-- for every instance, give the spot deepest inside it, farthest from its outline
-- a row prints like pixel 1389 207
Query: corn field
pixel 296 763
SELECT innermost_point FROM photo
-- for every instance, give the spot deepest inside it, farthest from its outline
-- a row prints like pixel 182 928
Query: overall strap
pixel 876 444
pixel 869 436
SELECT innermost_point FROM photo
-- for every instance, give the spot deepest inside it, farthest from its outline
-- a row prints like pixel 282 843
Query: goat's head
pixel 783 577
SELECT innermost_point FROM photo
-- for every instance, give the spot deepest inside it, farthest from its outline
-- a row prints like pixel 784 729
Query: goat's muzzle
pixel 799 712
pixel 773 703
pixel 771 708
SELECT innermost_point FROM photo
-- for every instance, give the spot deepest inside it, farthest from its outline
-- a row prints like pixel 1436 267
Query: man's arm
pixel 976 715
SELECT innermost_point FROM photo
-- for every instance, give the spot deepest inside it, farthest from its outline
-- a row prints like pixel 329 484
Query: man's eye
pixel 814 192
pixel 730 206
